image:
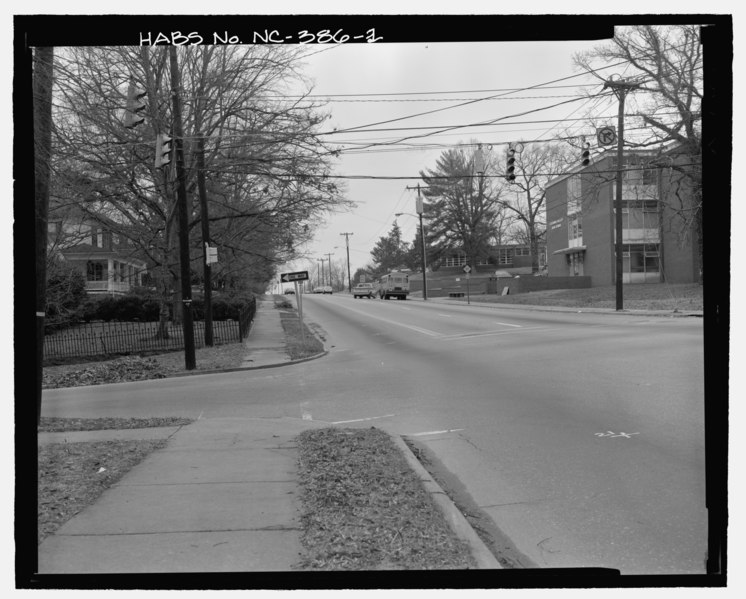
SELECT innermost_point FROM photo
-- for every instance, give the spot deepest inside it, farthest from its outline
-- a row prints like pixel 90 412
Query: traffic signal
pixel 510 168
pixel 586 154
pixel 162 150
pixel 135 106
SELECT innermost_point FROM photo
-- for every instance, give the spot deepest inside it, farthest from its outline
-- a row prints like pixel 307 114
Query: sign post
pixel 287 277
pixel 467 270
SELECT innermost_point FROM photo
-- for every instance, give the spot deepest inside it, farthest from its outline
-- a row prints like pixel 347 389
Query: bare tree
pixel 525 197
pixel 266 169
pixel 667 63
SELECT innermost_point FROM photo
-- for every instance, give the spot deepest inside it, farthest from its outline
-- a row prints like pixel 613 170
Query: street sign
pixel 286 277
pixel 606 136
pixel 467 269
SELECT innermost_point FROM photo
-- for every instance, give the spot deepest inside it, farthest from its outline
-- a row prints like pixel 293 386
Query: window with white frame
pixel 458 260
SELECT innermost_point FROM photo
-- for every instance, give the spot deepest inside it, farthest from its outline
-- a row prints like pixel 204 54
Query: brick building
pixel 658 244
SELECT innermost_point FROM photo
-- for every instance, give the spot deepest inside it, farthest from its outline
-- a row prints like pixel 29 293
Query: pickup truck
pixel 363 290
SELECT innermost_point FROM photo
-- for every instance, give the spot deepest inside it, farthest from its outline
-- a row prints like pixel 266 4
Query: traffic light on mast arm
pixel 510 167
pixel 135 106
pixel 162 150
pixel 586 154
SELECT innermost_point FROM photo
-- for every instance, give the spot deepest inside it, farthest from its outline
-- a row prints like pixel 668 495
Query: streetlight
pixel 422 238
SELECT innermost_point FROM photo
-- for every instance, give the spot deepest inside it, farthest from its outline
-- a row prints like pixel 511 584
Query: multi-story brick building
pixel 659 243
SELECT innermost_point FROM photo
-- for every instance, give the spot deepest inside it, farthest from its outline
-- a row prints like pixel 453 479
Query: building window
pixel 506 256
pixel 522 251
pixel 573 194
pixel 641 259
pixel 95 271
pixel 456 260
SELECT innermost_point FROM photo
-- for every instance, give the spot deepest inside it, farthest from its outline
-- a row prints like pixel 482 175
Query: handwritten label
pixel 266 36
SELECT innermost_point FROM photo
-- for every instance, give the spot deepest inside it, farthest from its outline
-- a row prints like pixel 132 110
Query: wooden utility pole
pixel 329 256
pixel 181 194
pixel 42 110
pixel 621 88
pixel 347 243
pixel 204 219
pixel 420 210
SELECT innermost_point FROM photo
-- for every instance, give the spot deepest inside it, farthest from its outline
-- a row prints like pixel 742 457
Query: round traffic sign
pixel 606 135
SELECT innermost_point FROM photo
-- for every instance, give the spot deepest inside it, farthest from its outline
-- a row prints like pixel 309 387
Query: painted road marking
pixel 506 324
pixel 363 419
pixel 450 430
pixel 613 434
pixel 491 333
pixel 445 315
pixel 305 413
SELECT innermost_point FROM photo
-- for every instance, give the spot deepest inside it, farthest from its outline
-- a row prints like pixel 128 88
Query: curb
pixel 456 520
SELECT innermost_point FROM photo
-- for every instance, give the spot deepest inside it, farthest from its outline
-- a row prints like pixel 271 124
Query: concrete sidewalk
pixel 265 344
pixel 222 496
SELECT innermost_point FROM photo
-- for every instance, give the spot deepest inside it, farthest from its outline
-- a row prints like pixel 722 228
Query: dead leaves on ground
pixel 363 508
pixel 73 475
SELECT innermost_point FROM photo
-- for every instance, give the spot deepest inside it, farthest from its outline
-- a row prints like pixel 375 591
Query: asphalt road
pixel 579 436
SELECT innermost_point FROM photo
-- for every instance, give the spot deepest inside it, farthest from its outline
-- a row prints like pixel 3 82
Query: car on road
pixel 290 292
pixel 364 290
pixel 323 289
pixel 395 284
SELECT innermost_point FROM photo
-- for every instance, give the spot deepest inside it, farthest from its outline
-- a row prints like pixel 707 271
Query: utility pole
pixel 186 286
pixel 420 210
pixel 349 278
pixel 42 151
pixel 329 256
pixel 205 238
pixel 621 88
pixel 323 278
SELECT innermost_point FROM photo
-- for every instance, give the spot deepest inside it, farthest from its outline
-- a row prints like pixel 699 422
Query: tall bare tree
pixel 667 63
pixel 524 198
pixel 266 169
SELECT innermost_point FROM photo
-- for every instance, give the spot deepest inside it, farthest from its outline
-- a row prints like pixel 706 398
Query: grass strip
pixel 363 508
pixel 73 475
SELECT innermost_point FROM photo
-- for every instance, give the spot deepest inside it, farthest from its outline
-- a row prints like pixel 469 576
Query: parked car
pixel 363 290
pixel 290 292
pixel 323 289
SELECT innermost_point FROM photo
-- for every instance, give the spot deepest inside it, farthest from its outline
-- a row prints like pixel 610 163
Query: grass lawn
pixel 658 296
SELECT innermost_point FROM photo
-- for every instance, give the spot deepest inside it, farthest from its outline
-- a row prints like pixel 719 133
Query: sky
pixel 374 83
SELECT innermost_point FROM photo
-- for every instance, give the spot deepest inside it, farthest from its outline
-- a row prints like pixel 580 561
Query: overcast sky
pixel 369 84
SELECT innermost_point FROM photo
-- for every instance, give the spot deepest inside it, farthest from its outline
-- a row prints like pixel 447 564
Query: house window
pixel 95 271
pixel 506 256
pixel 522 251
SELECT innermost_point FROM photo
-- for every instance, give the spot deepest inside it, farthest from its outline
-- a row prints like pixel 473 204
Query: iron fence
pixel 98 339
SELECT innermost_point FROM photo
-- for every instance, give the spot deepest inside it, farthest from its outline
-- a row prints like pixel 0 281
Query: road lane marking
pixel 613 434
pixel 363 419
pixel 306 415
pixel 392 322
pixel 450 430
pixel 506 324
pixel 490 333
pixel 445 315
